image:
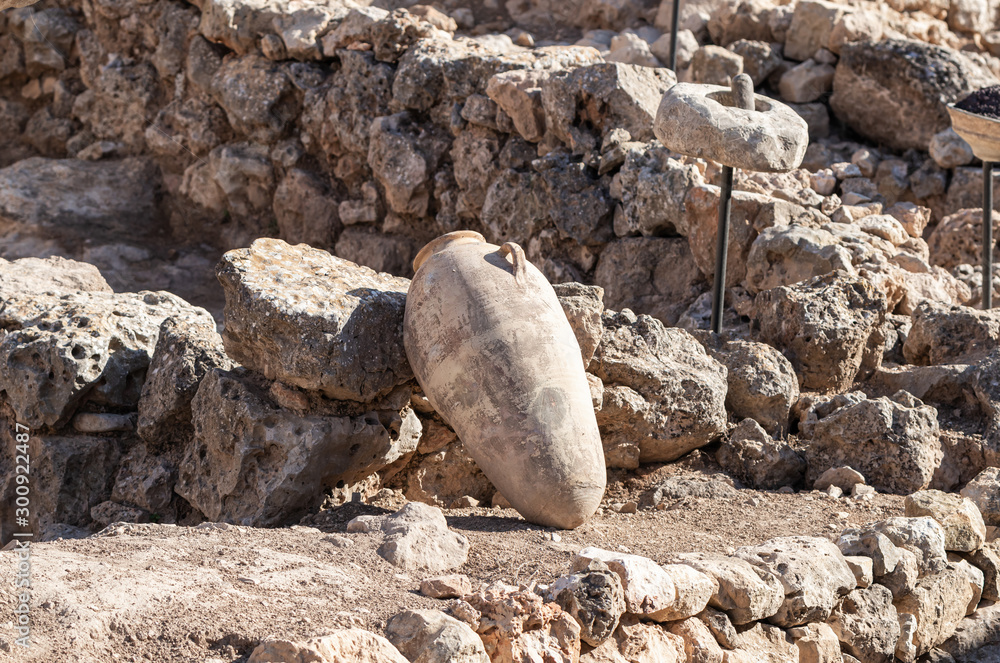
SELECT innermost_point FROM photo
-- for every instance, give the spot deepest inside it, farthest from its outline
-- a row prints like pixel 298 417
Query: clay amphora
pixel 495 355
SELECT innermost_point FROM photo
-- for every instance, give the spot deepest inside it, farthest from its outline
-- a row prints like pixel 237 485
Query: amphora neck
pixel 444 241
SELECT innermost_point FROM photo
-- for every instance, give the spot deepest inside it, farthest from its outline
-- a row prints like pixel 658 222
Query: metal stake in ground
pixel 742 91
pixel 673 35
pixel 987 235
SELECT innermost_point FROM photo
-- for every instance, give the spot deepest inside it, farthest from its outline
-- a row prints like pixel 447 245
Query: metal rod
pixel 987 234
pixel 722 250
pixel 742 97
pixel 673 36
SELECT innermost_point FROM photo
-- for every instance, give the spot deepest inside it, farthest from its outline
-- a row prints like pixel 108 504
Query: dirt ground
pixel 211 593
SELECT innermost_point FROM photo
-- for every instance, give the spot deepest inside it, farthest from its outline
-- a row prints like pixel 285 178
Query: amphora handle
pixel 517 257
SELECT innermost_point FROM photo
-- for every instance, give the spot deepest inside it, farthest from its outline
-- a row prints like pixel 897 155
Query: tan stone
pixel 349 645
pixel 964 529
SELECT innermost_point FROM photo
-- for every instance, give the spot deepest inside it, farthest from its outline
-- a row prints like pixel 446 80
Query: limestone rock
pixel 812 23
pixel 594 597
pixel 652 186
pixel 987 560
pixel 99 201
pixel 817 643
pixel 445 475
pixel 338 331
pixel 866 624
pixel 976 578
pixel 893 442
pixel 884 554
pixel 964 529
pixel 949 150
pixel 764 642
pixel 748 19
pixel 785 255
pixel 956 238
pixel 146 479
pixel 446 587
pixel 430 636
pixel 403 156
pixel 715 65
pixel 648 643
pixel 627 95
pixel 812 572
pixel 649 591
pixel 49 366
pixel 762 383
pixel 806 82
pixel 516 625
pixel 266 114
pixel 649 370
pixel 844 478
pixel 652 275
pixel 185 351
pixel 417 538
pixel 695 120
pixel 939 603
pixel 347 645
pixel 700 646
pixel 862 568
pixel 36 276
pixel 922 536
pixel 829 346
pixel 863 25
pixel 894 91
pixel 984 491
pixel 694 590
pixel 951 335
pixel 583 305
pixel 746 592
pixel 752 455
pixel 760 59
pixel 254 462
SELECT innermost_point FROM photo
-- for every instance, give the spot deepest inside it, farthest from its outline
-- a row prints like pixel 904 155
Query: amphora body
pixel 495 355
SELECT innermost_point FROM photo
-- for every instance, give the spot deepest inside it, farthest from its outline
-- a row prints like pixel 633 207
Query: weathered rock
pixel 695 120
pixel 831 345
pixel 785 255
pixel 606 96
pixel 987 560
pixel 48 366
pixel 806 82
pixel 339 331
pixel 893 442
pixel 348 645
pixel 652 275
pixel 445 475
pixel 976 578
pixel 949 150
pixel 746 592
pixel 844 478
pixel 266 114
pixel 862 568
pixel 700 646
pixel 951 335
pixel 812 23
pixel 594 597
pixel 758 460
pixel 516 625
pixel 855 26
pixel 964 529
pixel 446 587
pixel 939 603
pixel 760 59
pixel 254 462
pixel 649 591
pixel 430 636
pixel 721 627
pixel 99 201
pixel 817 643
pixel 36 276
pixel 305 210
pixel 648 643
pixel 693 588
pixel 874 545
pixel 866 624
pixel 584 305
pixel 764 642
pixel 417 538
pixel 747 19
pixel 649 370
pixel 984 491
pixel 922 536
pixel 956 238
pixel 147 480
pixel 894 91
pixel 812 572
pixel 404 156
pixel 185 351
pixel 762 383
pixel 652 186
pixel 715 65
